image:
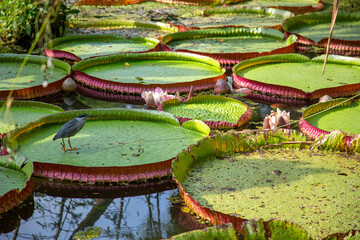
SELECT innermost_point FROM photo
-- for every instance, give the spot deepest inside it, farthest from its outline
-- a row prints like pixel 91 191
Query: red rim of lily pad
pixel 228 60
pixel 69 190
pixel 107 96
pixel 345 47
pixel 137 88
pixel 314 132
pixel 51 52
pixel 108 174
pixel 35 91
pixel 241 123
pixel 290 92
pixel 269 100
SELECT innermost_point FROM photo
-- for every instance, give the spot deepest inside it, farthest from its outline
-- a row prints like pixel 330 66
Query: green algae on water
pixel 318 191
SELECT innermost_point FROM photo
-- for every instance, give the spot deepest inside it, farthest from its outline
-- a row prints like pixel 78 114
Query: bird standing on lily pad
pixel 71 128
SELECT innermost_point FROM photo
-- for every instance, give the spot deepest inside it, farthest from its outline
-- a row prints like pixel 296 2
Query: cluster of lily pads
pixel 268 183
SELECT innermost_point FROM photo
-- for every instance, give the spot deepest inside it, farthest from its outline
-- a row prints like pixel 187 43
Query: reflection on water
pixel 146 214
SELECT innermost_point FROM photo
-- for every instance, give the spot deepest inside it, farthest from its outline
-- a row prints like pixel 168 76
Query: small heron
pixel 71 128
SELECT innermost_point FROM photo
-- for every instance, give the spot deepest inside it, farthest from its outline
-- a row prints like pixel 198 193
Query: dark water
pixel 139 211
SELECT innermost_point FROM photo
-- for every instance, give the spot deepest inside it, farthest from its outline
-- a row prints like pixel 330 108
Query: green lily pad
pixel 97 45
pixel 216 111
pixel 272 74
pixel 229 40
pixel 344 118
pixel 138 72
pixel 15 182
pixel 338 114
pixel 38 77
pixel 316 190
pixel 247 16
pixel 290 3
pixel 316 26
pixel 118 138
pixel 22 112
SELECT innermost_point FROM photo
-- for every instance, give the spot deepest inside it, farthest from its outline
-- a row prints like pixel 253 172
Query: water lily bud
pixel 69 85
pixel 325 98
pixel 222 86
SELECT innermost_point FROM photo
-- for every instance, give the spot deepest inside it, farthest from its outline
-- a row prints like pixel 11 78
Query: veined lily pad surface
pixel 97 45
pixel 215 111
pixel 316 26
pixel 15 181
pixel 40 76
pixel 138 72
pixel 296 76
pixel 222 181
pixel 22 112
pixel 119 145
pixel 342 115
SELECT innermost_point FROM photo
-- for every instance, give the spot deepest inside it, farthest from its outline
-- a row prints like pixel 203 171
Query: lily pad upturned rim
pixel 50 52
pixel 290 92
pixel 304 9
pixel 223 146
pixel 15 197
pixel 309 19
pixel 35 91
pixel 212 124
pixel 92 175
pixel 228 60
pixel 314 132
pixel 107 2
pixel 126 23
pixel 137 88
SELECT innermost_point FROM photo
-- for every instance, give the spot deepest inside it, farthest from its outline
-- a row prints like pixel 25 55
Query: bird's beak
pixel 92 116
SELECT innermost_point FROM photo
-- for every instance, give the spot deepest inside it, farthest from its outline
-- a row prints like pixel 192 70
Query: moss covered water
pixel 317 190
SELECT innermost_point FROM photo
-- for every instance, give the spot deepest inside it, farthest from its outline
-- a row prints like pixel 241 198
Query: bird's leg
pixel 63 145
pixel 71 148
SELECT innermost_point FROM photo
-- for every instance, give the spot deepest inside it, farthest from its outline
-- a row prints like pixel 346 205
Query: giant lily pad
pixel 22 112
pixel 222 182
pixel 230 45
pixel 137 72
pixel 313 29
pixel 16 184
pixel 79 47
pixel 296 76
pixel 339 114
pixel 121 145
pixel 216 111
pixel 247 16
pixel 40 76
pixel 296 7
pixel 126 28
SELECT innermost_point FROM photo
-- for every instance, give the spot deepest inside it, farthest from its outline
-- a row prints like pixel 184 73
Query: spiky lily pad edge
pixel 290 92
pixel 220 125
pixel 228 60
pixel 314 132
pixel 35 91
pixel 221 146
pixel 94 175
pixel 50 52
pixel 15 197
pixel 137 88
